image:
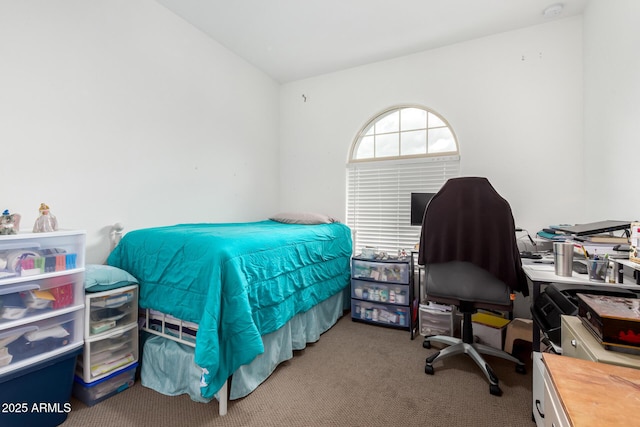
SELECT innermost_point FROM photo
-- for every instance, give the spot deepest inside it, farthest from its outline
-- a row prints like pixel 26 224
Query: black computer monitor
pixel 419 202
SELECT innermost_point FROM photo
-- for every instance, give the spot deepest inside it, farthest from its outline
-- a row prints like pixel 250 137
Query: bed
pixel 245 287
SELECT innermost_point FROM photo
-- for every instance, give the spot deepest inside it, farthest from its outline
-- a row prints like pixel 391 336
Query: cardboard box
pixel 634 242
pixel 489 329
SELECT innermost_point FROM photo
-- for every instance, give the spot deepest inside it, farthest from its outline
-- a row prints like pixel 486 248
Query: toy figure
pixel 9 223
pixel 46 221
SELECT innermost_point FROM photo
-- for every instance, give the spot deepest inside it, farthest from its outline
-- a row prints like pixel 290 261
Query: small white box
pixel 489 329
pixel 488 335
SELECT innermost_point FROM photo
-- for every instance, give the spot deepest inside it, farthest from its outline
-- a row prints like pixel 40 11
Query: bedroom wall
pixel 612 94
pixel 513 99
pixel 121 111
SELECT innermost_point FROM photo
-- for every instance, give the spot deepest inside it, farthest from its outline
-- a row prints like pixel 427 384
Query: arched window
pixel 403 150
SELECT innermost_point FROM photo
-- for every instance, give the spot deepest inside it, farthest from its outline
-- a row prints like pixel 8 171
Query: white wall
pixel 513 99
pixel 121 111
pixel 612 119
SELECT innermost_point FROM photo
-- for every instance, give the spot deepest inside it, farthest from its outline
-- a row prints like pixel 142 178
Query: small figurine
pixel 46 221
pixel 9 223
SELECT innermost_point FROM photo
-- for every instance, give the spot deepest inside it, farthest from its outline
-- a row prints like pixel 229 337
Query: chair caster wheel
pixel 495 390
pixel 428 369
pixel 426 344
pixel 521 369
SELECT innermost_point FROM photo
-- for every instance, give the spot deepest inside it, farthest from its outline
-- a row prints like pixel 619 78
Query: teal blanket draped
pixel 238 281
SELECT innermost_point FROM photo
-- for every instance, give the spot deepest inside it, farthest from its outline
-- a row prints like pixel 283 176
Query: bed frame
pixel 178 333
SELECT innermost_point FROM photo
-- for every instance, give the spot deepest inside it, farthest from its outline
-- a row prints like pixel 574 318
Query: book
pixel 604 238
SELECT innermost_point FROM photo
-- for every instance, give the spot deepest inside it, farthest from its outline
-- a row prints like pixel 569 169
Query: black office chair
pixel 469 250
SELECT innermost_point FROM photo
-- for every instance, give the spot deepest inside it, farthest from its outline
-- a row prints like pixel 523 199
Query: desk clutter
pixel 604 238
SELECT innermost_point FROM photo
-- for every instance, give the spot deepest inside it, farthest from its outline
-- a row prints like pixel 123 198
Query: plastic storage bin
pixel 439 319
pixel 97 391
pixel 38 395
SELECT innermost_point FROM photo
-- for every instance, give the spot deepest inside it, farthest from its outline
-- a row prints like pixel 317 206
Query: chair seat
pixel 473 284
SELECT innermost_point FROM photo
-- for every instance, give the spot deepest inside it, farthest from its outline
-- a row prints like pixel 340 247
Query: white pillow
pixel 303 218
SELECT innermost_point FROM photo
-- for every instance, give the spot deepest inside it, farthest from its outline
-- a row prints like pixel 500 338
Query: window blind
pixel 379 199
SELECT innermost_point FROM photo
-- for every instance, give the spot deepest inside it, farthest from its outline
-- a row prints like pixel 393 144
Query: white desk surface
pixel 546 273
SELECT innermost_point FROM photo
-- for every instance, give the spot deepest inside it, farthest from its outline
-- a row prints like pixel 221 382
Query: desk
pixel 591 393
pixel 544 274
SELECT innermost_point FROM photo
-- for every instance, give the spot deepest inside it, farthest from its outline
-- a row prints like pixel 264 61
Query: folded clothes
pixel 22 348
pixel 41 334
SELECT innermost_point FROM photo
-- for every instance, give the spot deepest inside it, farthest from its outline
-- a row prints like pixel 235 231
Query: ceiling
pixel 296 39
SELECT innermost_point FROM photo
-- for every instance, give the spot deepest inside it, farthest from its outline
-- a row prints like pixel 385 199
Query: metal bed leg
pixel 223 398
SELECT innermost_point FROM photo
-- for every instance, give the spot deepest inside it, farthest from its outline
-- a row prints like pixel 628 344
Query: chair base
pixel 458 346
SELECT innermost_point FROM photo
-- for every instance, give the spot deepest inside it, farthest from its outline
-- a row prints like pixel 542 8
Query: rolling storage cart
pixel 107 364
pixel 41 325
pixel 382 292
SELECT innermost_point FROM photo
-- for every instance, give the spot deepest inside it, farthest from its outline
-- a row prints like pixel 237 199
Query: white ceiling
pixel 295 39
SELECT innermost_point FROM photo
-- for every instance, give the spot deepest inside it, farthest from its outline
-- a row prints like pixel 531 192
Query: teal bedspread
pixel 238 281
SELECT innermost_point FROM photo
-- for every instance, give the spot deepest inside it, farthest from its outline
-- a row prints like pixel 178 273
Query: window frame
pixel 378 211
pixel 384 113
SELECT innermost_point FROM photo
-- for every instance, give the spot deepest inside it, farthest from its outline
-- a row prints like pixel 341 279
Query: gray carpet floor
pixel 355 375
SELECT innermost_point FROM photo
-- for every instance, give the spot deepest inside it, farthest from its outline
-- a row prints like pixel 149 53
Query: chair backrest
pixel 467 221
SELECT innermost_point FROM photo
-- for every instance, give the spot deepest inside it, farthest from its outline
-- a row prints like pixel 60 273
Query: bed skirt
pixel 161 356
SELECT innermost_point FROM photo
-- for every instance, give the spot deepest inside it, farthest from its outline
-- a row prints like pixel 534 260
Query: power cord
pixel 533 243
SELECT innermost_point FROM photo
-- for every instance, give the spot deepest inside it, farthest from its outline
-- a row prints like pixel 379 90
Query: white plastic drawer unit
pixel 390 272
pixel 39 340
pixel 434 322
pixel 110 309
pixel 108 353
pixel 41 296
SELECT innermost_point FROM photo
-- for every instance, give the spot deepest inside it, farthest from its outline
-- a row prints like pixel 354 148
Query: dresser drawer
pixel 107 353
pixel 109 310
pixel 573 343
pixel 39 340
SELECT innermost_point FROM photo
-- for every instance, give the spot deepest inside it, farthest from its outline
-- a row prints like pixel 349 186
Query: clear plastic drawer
pixel 108 353
pixel 380 313
pixel 36 297
pixel 33 254
pixel 30 343
pixel 110 310
pixel 381 271
pixel 380 292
